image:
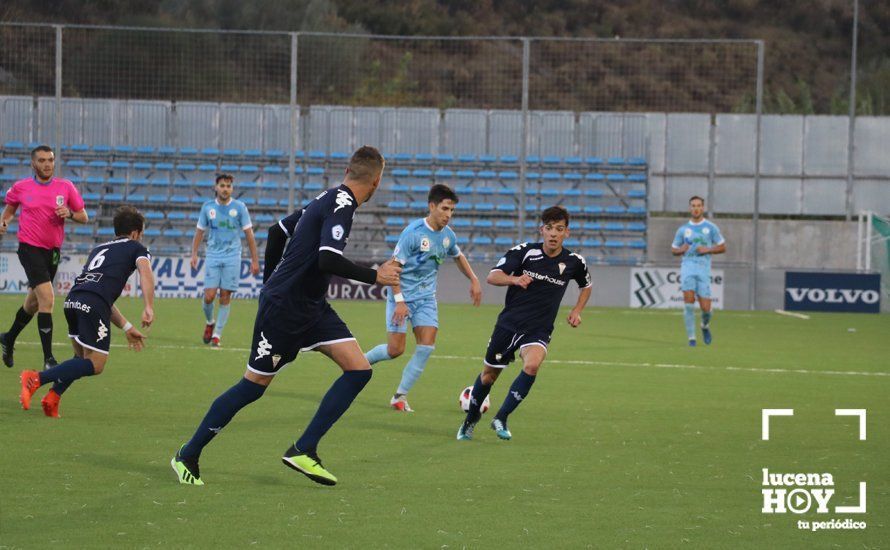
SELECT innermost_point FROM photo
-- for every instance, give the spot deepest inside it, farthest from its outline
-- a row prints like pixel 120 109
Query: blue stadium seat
pixel 594 193
pixel 466 158
pixel 157 198
pixel 461 222
pixel 402 157
pixel 482 240
pixel 91 196
pixel 399 188
pixel 483 223
pixel 572 208
pixel 463 240
pixel 486 174
pixel 145 150
pixel 615 160
pixel 637 178
pixel 418 205
pixel 8 161
pixel 593 209
pixel 591 243
pixel 14 146
pixel 505 224
pixel 614 244
pixel 400 172
pixel 391 239
pixel 532 176
pixel 120 164
pixel 317 155
pixel 166 150
pixel 275 153
pixel 637 244
pixel 207 168
pixel 503 241
pixel 397 205
pixel 551 159
pixel 572 176
pixel 230 168
pixel 73 163
pixel 506 208
pixel 616 178
pixel 253 153
pixel 636 210
pixel 271 169
pixel 551 176
pixel 105 232
pixel 102 149
pixel 179 199
pixel 313 186
pixel 395 221
pixel 420 189
pixel 188 151
pixel 174 233
pixel 487 158
pixel 444 158
pixel 592 226
pixel 231 152
pixel 267 202
pixel 154 215
pixel 422 173
pixel 124 150
pixel 315 171
pixel 636 194
pixel 484 207
pixel 466 174
pixel 444 173
pixel 533 159
pixel 338 156
pixel 83 230
pixel 636 226
pixel 616 210
pixel 636 161
pixel 573 160
pixel 423 157
pixel 152 232
pixel 508 175
pixel 614 226
pixel 572 243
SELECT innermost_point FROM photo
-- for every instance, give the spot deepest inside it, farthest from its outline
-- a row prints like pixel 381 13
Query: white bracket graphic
pixel 854 412
pixel 854 509
pixel 765 414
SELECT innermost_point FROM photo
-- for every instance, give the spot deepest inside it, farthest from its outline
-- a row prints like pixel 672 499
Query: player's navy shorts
pixel 40 264
pixel 89 320
pixel 504 343
pixel 277 338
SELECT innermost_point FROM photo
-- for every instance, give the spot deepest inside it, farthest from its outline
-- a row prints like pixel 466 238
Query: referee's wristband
pixel 398 297
pixel 127 326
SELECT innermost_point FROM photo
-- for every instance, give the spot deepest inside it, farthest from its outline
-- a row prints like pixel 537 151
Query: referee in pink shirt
pixel 46 203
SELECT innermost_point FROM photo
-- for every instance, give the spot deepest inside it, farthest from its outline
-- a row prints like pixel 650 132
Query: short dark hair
pixel 439 192
pixel 696 197
pixel 555 214
pixel 224 176
pixel 366 163
pixel 41 148
pixel 127 219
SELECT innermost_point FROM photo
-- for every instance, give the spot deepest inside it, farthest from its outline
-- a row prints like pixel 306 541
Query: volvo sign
pixel 844 292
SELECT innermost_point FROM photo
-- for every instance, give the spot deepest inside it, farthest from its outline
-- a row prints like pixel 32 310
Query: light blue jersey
pixel 421 251
pixel 224 224
pixel 703 233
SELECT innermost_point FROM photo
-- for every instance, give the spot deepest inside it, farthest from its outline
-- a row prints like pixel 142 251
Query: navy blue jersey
pixel 108 267
pixel 297 282
pixel 535 307
pixel 289 223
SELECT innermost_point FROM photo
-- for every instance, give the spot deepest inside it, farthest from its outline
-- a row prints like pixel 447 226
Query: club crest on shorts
pixel 60 200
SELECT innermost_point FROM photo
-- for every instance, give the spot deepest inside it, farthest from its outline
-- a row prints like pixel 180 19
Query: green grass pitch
pixel 628 439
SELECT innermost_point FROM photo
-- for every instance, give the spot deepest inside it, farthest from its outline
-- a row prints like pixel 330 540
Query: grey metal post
pixel 757 144
pixel 58 144
pixel 291 156
pixel 712 151
pixel 851 129
pixel 523 143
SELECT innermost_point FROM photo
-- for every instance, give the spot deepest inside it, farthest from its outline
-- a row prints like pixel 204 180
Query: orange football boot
pixel 30 383
pixel 51 404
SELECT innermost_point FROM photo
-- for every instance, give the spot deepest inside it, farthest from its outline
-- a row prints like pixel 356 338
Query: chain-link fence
pixel 547 112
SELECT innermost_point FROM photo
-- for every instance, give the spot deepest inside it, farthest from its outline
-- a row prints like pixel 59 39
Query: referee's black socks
pixel 45 327
pixel 22 318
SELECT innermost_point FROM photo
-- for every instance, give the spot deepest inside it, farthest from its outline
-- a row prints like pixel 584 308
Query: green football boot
pixel 309 465
pixel 186 470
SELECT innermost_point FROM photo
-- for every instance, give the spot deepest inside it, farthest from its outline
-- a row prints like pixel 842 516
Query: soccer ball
pixel 465 400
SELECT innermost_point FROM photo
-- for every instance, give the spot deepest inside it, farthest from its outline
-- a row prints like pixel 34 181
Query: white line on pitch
pixel 564 362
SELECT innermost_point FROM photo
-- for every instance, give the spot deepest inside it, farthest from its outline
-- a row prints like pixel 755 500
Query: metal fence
pixel 303 81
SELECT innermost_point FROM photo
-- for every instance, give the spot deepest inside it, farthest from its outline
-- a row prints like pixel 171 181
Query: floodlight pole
pixel 58 129
pixel 291 160
pixel 757 144
pixel 851 128
pixel 523 142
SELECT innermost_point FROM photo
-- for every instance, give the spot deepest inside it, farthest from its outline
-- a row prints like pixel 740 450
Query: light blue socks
pixel 414 368
pixel 208 311
pixel 377 354
pixel 222 318
pixel 689 320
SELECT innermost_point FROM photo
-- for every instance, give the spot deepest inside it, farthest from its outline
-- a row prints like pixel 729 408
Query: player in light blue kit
pixel 422 248
pixel 223 219
pixel 696 240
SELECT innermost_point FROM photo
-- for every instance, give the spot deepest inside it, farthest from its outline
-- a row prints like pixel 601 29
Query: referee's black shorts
pixel 40 264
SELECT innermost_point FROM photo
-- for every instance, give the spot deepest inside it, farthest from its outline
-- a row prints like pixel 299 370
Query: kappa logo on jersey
pixel 337 232
pixel 343 200
pixel 533 254
pixel 263 348
pixel 102 332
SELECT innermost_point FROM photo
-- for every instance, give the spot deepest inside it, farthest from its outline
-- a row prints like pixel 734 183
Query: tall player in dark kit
pixel 294 316
pixel 538 275
pixel 89 309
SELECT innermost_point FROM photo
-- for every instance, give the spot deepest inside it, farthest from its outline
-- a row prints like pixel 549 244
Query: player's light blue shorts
pixel 421 313
pixel 698 283
pixel 223 273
